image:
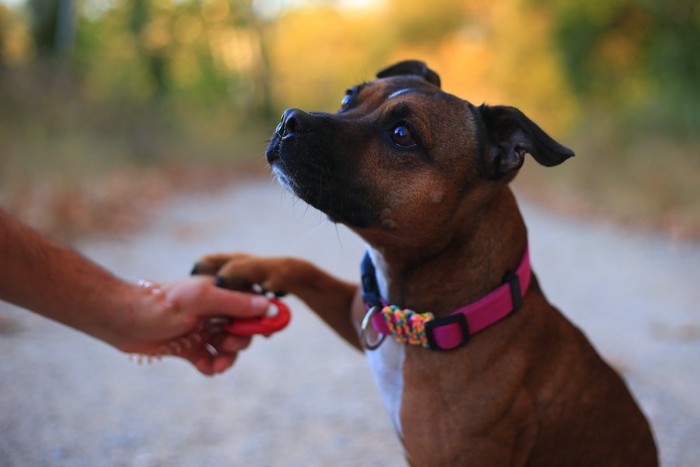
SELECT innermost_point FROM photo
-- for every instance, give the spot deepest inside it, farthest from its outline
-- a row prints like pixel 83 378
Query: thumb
pixel 202 298
pixel 222 302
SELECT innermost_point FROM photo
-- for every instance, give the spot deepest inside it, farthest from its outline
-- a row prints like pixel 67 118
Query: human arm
pixel 55 281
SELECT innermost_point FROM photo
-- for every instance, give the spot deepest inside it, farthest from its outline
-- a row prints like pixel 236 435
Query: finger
pixel 234 343
pixel 216 352
pixel 205 357
pixel 223 302
pixel 201 295
pixel 196 352
pixel 204 365
pixel 212 365
pixel 226 343
pixel 223 362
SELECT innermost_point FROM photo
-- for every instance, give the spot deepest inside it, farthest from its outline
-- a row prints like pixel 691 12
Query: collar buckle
pixel 516 294
pixel 433 324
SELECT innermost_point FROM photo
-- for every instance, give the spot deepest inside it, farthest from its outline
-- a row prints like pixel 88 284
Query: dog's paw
pixel 211 264
pixel 248 273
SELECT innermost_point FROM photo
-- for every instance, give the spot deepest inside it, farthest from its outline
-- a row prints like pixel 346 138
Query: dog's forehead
pixel 407 89
pixel 397 85
pixel 415 90
pixel 415 98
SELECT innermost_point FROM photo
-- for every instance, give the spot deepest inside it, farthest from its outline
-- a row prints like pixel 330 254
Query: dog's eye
pixel 347 99
pixel 402 136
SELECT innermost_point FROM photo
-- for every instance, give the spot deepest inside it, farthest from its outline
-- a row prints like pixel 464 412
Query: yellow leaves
pixel 15 43
pixel 496 52
pixel 187 29
pixel 318 53
pixel 215 11
pixel 620 48
pixel 156 34
pixel 499 52
pixel 618 51
pixel 502 53
pixel 420 21
pixel 234 49
pixel 184 68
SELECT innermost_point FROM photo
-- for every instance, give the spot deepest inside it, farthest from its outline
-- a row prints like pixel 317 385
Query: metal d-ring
pixel 363 331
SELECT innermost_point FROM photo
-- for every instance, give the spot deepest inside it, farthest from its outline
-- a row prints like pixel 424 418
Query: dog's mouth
pixel 285 179
pixel 302 165
pixel 286 173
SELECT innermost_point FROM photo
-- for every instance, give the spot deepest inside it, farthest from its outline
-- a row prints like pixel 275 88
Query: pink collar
pixel 448 332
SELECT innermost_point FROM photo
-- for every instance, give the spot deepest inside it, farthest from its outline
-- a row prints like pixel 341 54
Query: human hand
pixel 171 319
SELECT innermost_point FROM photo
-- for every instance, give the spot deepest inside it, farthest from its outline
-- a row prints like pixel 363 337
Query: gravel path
pixel 303 397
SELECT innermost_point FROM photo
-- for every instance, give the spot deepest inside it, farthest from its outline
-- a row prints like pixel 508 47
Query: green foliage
pixel 638 54
pixel 181 82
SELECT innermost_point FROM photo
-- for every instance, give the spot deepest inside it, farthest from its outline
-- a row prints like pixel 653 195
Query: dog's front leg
pixel 328 296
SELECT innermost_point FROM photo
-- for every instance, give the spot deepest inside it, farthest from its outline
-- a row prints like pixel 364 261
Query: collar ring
pixel 364 334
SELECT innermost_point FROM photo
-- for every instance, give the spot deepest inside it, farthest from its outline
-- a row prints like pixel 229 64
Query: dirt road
pixel 303 397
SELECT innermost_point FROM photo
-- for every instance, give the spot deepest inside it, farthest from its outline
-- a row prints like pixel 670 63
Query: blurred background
pixel 107 106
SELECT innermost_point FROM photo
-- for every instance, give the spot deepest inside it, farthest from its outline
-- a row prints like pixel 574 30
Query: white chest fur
pixel 386 363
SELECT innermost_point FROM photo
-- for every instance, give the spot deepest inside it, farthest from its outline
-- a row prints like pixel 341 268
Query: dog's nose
pixel 294 121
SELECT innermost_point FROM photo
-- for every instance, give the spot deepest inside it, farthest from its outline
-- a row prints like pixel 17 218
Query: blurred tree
pixel 415 22
pixel 639 54
pixel 260 71
pixel 318 52
pixel 65 27
pixel 4 27
pixel 53 26
pixel 497 52
pixel 152 37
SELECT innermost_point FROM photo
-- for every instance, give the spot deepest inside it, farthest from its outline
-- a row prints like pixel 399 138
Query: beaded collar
pixel 446 333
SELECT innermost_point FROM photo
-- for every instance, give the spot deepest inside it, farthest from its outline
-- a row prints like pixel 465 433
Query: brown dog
pixel 422 176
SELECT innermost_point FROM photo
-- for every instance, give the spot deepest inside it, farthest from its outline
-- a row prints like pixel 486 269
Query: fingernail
pixel 259 302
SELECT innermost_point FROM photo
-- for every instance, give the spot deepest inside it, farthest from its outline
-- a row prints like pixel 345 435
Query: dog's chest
pixel 386 363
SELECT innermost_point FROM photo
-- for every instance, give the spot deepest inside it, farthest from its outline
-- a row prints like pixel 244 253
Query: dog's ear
pixel 411 67
pixel 509 136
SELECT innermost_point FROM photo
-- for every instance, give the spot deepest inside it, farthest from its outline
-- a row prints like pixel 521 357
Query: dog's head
pixel 403 156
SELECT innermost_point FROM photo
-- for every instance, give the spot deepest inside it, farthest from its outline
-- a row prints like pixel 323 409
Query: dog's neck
pixel 467 268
